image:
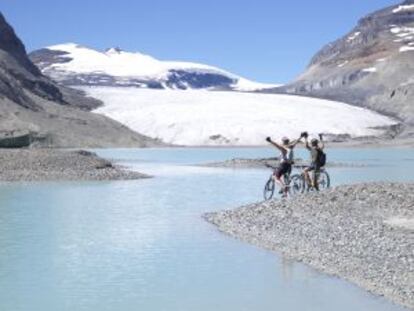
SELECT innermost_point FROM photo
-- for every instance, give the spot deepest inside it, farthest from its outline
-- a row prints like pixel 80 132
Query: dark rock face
pixel 18 75
pixel 182 79
pixel 11 44
pixel 15 141
pixel 44 58
pixel 372 66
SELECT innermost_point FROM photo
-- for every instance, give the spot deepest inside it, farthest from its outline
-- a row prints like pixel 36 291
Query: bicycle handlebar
pixel 270 166
pixel 295 166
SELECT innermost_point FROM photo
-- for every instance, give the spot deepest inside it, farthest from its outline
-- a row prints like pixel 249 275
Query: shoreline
pixel 362 233
pixel 34 165
pixel 272 163
pixel 397 143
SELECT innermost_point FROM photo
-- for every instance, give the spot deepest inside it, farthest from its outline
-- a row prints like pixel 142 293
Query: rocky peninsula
pixel 57 165
pixel 363 233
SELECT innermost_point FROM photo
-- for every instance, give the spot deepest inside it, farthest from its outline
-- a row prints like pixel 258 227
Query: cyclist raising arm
pixel 286 160
pixel 322 143
pixel 318 159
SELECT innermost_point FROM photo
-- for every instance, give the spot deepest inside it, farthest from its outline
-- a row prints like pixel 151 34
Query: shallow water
pixel 142 245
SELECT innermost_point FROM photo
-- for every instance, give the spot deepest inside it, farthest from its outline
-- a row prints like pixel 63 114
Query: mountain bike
pixel 323 181
pixel 295 184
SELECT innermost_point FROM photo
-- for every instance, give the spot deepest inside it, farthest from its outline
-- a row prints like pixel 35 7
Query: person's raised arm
pixel 305 136
pixel 295 142
pixel 275 144
pixel 322 146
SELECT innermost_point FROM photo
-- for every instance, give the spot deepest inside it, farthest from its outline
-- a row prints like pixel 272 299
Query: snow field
pixel 197 117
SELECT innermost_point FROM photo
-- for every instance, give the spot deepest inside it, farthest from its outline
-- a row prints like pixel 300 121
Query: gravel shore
pixel 54 164
pixel 363 233
pixel 244 163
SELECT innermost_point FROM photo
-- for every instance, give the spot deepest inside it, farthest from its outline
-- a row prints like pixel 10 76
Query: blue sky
pixel 264 40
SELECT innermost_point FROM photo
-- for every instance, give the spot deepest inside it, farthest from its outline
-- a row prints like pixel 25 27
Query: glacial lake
pixel 142 245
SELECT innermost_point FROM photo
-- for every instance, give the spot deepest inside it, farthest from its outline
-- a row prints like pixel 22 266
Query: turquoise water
pixel 142 245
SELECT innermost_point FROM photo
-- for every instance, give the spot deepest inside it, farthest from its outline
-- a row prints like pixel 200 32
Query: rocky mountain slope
pixel 52 114
pixel 76 65
pixel 371 66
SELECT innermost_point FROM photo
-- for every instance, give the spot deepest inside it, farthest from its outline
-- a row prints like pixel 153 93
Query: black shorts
pixel 313 167
pixel 284 168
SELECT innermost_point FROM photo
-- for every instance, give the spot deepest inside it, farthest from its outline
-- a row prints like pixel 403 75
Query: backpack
pixel 321 160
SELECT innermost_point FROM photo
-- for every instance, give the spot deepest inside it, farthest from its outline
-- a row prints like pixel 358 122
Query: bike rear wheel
pixel 269 189
pixel 297 184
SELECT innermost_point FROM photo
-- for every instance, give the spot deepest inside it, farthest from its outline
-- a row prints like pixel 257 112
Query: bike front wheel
pixel 324 181
pixel 269 189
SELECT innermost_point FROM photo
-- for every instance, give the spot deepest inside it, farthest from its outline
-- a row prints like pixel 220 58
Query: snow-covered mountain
pixel 199 117
pixel 76 65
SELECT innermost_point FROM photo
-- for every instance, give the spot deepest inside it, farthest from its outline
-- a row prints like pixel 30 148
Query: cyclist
pixel 286 161
pixel 318 159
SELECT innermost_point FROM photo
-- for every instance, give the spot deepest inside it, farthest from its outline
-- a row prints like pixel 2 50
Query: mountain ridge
pixel 372 66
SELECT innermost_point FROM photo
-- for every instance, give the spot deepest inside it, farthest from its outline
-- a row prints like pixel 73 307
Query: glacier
pixel 207 118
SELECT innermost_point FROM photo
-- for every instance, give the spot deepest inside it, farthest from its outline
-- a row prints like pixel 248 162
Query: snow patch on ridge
pixel 404 8
pixel 353 36
pixel 371 69
pixel 406 48
pixel 343 64
pixel 402 31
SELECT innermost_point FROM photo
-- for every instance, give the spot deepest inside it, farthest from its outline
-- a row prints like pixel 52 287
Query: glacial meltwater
pixel 142 245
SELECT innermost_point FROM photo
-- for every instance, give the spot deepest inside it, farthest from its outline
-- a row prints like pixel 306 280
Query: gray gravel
pixel 244 163
pixel 363 233
pixel 54 164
